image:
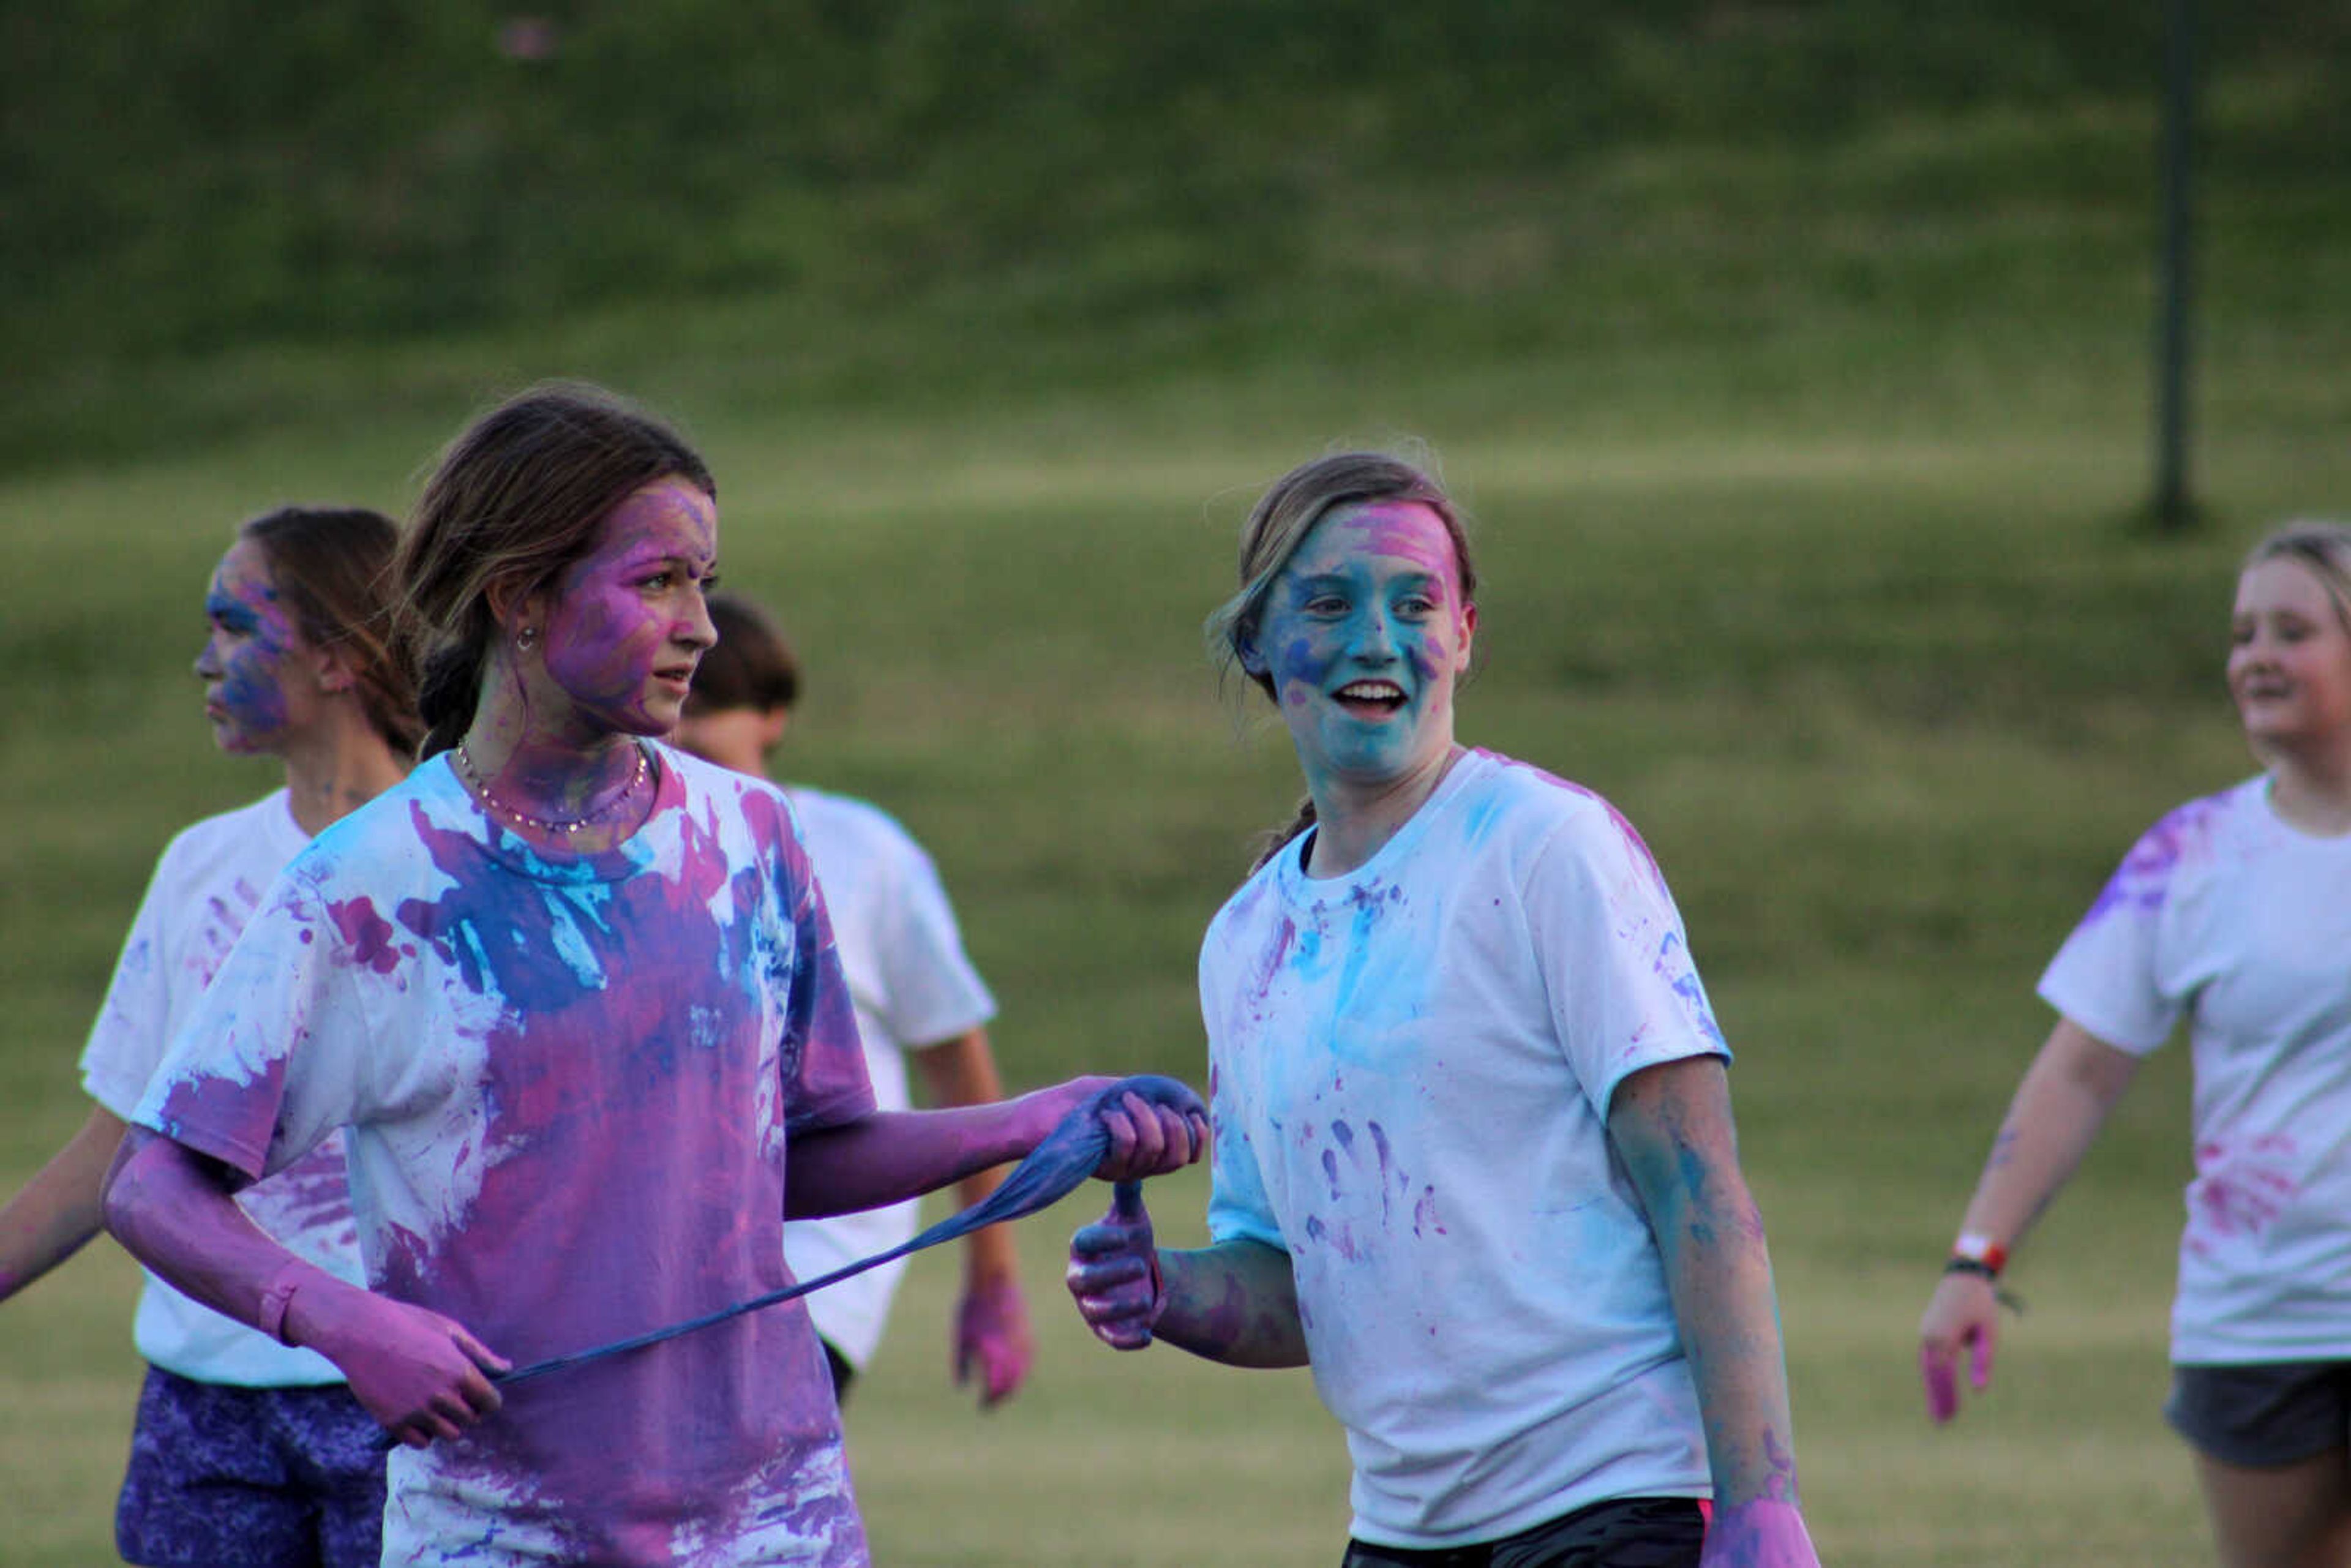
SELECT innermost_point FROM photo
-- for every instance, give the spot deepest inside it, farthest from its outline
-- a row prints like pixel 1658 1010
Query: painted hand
pixel 1762 1532
pixel 992 1339
pixel 419 1373
pixel 1114 1272
pixel 1962 1315
pixel 1156 1126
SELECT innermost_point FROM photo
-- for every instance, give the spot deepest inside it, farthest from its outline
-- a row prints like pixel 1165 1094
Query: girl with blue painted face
pixel 244 1450
pixel 1474 1161
pixel 573 995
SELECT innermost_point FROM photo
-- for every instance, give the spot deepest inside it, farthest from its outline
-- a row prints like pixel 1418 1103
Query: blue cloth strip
pixel 1054 1168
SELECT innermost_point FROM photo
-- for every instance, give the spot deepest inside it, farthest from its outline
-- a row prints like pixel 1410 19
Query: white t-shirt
pixel 206 886
pixel 2224 913
pixel 1410 1071
pixel 912 986
pixel 570 1083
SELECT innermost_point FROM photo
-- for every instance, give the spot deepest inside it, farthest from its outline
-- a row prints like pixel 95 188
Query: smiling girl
pixel 1474 1160
pixel 574 994
pixel 2235 913
pixel 244 1450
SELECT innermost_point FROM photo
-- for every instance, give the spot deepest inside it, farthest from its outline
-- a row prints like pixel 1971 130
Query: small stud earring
pixel 526 639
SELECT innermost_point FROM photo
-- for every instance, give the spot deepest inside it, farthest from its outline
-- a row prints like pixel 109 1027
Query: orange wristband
pixel 1972 1247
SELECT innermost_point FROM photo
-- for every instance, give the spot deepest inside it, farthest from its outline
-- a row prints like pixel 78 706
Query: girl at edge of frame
pixel 572 993
pixel 1474 1163
pixel 243 1449
pixel 918 1001
pixel 2233 911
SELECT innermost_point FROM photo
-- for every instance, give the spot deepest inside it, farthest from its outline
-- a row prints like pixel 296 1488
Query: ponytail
pixel 449 688
pixel 1273 841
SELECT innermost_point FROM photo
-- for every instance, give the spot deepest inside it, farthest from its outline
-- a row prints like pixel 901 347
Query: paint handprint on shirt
pixel 2237 1192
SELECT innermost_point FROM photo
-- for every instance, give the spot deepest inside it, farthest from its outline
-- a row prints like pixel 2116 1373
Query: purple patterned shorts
pixel 223 1476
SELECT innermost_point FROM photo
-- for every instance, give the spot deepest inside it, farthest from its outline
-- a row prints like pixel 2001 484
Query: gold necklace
pixel 564 826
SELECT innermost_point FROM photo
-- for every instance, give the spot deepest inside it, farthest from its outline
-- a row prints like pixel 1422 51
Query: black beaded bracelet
pixel 1990 1276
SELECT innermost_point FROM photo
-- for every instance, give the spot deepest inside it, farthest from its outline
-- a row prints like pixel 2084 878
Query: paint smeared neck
pixel 1354 821
pixel 338 770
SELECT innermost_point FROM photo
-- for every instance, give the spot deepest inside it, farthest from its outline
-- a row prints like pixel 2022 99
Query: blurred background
pixel 1798 361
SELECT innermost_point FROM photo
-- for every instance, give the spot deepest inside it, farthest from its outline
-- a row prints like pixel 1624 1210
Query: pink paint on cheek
pixel 602 652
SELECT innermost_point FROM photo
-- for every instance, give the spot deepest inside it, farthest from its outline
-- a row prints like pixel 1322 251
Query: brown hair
pixel 519 496
pixel 2323 547
pixel 752 666
pixel 1280 523
pixel 333 566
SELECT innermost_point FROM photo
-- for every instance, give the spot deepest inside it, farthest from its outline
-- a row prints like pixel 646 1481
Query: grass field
pixel 1830 590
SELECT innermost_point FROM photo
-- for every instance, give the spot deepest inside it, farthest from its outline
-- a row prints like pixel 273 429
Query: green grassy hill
pixel 1793 361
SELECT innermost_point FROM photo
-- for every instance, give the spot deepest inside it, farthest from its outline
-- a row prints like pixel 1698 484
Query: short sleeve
pixel 271 1057
pixel 134 1022
pixel 930 992
pixel 1623 990
pixel 825 1081
pixel 1238 1206
pixel 2104 977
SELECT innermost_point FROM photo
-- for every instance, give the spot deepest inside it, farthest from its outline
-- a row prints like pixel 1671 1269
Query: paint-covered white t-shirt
pixel 1411 1067
pixel 206 887
pixel 913 985
pixel 570 1082
pixel 2226 914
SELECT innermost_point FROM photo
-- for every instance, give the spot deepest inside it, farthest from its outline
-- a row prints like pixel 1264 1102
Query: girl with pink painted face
pixel 574 996
pixel 1474 1161
pixel 244 1450
pixel 2234 912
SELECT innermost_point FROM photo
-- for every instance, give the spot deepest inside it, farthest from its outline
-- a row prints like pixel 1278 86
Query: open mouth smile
pixel 1377 697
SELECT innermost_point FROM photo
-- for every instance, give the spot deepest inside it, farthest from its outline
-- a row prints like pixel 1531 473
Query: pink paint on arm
pixel 1942 1385
pixel 992 1339
pixel 416 1371
pixel 421 1375
pixel 1113 1272
pixel 1762 1532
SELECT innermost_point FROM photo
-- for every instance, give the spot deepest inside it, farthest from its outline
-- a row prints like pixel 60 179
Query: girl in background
pixel 2233 912
pixel 917 999
pixel 1474 1160
pixel 574 994
pixel 244 1450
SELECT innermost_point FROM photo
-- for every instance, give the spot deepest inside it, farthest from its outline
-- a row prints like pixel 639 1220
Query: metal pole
pixel 2174 508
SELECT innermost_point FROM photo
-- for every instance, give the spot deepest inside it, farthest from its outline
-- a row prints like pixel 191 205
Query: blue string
pixel 1054 1168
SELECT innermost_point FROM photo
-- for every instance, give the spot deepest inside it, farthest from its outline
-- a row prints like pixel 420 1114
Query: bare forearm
pixel 174 1212
pixel 1234 1302
pixel 892 1155
pixel 1719 1271
pixel 962 1071
pixel 1672 1124
pixel 420 1373
pixel 2064 1099
pixel 55 1214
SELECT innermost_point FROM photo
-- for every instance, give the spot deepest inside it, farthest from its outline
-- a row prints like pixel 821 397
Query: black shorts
pixel 2262 1413
pixel 1623 1532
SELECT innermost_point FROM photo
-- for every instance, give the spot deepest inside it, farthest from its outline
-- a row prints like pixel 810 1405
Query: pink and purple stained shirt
pixel 570 1084
pixel 1410 1072
pixel 2230 917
